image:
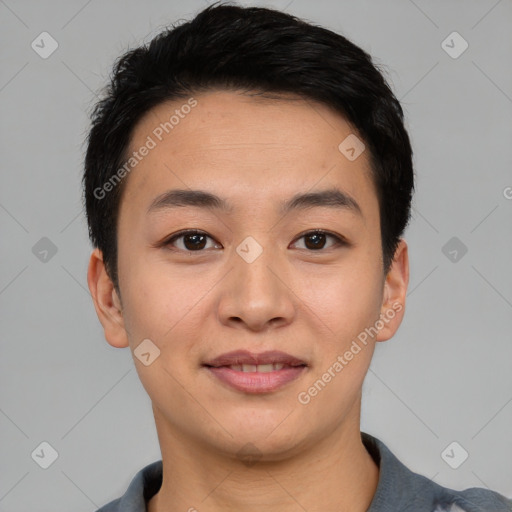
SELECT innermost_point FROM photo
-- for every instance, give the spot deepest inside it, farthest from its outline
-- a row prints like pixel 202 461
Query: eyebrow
pixel 329 198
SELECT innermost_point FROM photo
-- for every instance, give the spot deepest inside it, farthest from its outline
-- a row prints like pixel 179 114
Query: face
pixel 256 272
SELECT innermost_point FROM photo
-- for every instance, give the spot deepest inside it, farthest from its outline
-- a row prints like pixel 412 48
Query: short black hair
pixel 230 47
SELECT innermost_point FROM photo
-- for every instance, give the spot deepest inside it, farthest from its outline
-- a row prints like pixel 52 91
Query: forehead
pixel 252 147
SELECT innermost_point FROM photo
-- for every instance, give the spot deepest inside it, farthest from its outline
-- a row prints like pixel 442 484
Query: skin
pixel 309 303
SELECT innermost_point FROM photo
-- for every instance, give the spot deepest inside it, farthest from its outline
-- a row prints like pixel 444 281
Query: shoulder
pixel 144 485
pixel 474 499
pixel 113 506
pixel 399 488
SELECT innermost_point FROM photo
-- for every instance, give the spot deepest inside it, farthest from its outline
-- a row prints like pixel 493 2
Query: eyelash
pixel 339 241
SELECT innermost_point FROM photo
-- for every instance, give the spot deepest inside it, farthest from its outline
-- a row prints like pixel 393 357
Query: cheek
pixel 347 308
pixel 167 305
pixel 154 304
pixel 345 300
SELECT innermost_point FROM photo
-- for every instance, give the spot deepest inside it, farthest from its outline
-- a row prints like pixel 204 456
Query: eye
pixel 193 240
pixel 196 241
pixel 315 240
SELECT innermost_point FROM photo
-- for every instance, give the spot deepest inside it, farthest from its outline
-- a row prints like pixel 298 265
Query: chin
pixel 265 441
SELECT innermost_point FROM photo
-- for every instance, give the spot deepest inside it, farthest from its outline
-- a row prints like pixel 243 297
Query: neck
pixel 336 472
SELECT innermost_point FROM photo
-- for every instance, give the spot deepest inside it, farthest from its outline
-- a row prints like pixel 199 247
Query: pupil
pixel 319 237
pixel 194 244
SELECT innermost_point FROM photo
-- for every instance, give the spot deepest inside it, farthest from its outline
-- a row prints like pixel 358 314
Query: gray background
pixel 444 377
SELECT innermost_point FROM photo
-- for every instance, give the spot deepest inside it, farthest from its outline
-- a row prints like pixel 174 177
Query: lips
pixel 260 368
pixel 247 360
pixel 266 372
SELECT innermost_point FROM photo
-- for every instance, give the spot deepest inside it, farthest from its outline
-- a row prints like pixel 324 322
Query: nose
pixel 257 295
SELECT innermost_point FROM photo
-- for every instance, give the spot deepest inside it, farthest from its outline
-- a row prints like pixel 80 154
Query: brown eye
pixel 193 241
pixel 197 241
pixel 316 240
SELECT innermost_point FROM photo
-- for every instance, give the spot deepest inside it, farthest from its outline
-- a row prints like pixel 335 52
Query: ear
pixel 395 291
pixel 106 301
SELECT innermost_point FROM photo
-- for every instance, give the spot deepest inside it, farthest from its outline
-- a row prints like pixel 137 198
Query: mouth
pixel 258 368
pixel 256 373
pixel 248 360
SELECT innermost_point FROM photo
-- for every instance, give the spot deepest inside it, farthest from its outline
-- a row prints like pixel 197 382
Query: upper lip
pixel 240 357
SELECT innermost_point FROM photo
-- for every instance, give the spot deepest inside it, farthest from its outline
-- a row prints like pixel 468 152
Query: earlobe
pixel 106 301
pixel 395 291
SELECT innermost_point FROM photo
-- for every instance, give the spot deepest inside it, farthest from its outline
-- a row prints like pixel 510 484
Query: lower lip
pixel 257 382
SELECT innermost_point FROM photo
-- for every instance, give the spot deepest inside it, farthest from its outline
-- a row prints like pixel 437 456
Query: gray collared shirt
pixel 398 489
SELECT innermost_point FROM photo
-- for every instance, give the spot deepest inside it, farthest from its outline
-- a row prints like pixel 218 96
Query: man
pixel 247 182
